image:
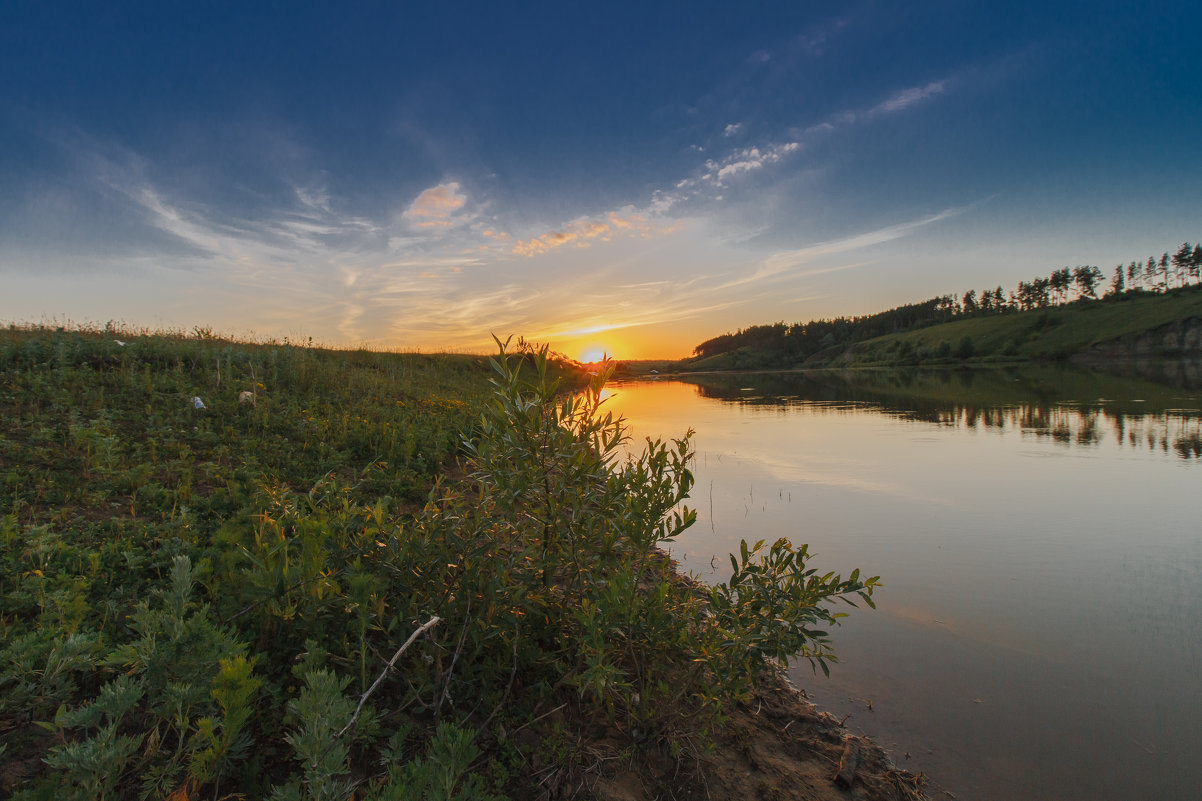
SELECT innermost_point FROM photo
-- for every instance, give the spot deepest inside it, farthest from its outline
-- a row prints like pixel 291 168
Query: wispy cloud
pixel 716 174
pixel 587 230
pixel 637 315
pixel 427 275
pixel 735 169
pixel 748 159
pixel 789 260
pixel 908 97
pixel 813 42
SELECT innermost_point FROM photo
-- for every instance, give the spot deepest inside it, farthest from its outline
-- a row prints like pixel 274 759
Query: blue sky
pixel 633 176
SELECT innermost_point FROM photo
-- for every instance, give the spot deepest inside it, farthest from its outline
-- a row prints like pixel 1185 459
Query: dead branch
pixel 431 623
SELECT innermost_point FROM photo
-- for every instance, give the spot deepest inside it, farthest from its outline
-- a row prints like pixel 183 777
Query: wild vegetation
pixel 261 570
pixel 895 338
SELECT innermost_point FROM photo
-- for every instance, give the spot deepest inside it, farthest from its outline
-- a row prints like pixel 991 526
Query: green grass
pixel 113 427
pixel 109 475
pixel 224 601
pixel 1050 334
pixel 1036 335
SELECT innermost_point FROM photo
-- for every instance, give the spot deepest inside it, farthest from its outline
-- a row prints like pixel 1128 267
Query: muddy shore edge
pixel 777 746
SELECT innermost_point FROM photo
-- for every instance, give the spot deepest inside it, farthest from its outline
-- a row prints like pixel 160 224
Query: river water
pixel 1037 533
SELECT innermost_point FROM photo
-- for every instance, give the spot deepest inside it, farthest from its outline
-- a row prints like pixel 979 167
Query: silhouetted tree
pixel 1183 261
pixel 1060 281
pixel 1040 289
pixel 1023 295
pixel 1116 282
pixel 1087 279
pixel 970 304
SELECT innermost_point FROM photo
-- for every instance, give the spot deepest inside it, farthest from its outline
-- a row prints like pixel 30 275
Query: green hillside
pixel 1038 335
pixel 1128 324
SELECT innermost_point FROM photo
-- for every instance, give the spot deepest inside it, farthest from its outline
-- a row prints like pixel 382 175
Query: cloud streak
pixel 585 231
pixel 909 97
pixel 719 174
pixel 788 260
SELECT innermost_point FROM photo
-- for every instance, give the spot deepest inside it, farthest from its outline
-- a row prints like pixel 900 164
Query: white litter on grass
pixel 119 342
pixel 197 403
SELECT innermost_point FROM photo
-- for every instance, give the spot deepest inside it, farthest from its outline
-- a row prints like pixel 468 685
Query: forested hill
pixel 781 345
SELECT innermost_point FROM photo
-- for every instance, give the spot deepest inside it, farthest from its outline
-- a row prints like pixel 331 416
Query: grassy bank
pixel 262 570
pixel 1055 333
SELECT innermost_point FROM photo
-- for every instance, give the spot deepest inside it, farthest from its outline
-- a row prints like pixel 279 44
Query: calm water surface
pixel 1039 632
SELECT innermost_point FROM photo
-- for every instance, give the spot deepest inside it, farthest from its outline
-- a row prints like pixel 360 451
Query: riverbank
pixel 778 745
pixel 242 567
pixel 1132 325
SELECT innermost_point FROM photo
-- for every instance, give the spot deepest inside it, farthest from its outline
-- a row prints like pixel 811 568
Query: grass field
pixel 259 570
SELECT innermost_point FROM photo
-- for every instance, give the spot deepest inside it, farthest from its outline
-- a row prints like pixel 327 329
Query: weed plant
pixel 301 595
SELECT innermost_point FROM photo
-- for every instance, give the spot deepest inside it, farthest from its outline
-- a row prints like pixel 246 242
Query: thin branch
pixel 446 687
pixel 537 719
pixel 363 699
pixel 508 686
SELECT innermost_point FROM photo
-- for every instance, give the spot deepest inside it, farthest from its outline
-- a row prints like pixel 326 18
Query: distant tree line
pixel 783 343
pixel 800 340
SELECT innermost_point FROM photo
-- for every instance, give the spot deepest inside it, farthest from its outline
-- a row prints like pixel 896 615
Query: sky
pixel 631 178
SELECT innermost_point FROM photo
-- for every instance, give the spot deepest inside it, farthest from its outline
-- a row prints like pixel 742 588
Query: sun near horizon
pixel 660 341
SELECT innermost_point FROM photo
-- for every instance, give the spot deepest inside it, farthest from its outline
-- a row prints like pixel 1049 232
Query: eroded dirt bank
pixel 778 747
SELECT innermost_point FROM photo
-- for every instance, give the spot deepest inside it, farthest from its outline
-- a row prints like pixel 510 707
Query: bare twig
pixel 508 687
pixel 446 687
pixel 537 719
pixel 431 623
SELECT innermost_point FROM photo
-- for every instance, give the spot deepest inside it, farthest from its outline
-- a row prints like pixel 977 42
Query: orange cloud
pixel 584 232
pixel 434 207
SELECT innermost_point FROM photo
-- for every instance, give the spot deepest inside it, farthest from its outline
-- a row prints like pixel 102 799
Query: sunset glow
pixel 592 354
pixel 423 182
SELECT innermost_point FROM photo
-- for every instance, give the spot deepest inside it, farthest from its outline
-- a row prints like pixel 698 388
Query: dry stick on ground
pixel 537 719
pixel 431 623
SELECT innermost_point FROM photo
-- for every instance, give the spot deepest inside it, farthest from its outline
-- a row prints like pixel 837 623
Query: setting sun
pixel 593 353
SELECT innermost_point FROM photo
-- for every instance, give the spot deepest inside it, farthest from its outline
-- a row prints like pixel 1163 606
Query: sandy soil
pixel 779 747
